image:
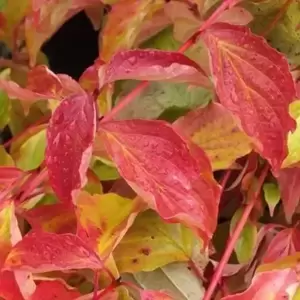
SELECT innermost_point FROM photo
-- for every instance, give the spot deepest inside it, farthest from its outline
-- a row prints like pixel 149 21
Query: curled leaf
pixel 70 136
pixel 253 81
pixel 150 64
pixel 158 164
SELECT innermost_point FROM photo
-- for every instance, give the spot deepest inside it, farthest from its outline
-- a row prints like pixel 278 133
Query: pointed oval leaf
pixel 70 138
pixel 246 243
pixel 104 219
pixel 41 252
pixel 150 64
pixel 150 243
pixel 272 195
pixel 158 164
pixel 289 185
pixel 253 81
pixel 124 23
pixel 214 129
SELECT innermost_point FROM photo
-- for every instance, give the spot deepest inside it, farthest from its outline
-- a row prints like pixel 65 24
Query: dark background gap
pixel 71 50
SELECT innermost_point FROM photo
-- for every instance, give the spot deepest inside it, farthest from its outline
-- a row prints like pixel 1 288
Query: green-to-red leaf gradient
pixel 253 81
pixel 70 137
pixel 158 164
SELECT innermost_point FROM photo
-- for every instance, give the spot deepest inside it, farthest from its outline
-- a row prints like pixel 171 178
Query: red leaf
pixel 289 185
pixel 45 252
pixel 70 137
pixel 49 290
pixel 42 84
pixel 253 81
pixel 8 176
pixel 153 65
pixel 270 285
pixel 8 287
pixel 154 295
pixel 285 243
pixel 57 218
pixel 157 163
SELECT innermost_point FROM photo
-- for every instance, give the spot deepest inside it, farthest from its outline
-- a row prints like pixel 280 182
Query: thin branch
pixel 233 239
pixel 188 44
pixel 278 16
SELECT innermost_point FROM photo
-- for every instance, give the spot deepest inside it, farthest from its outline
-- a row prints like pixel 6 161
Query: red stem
pixel 96 284
pixel 233 239
pixel 277 18
pixel 190 42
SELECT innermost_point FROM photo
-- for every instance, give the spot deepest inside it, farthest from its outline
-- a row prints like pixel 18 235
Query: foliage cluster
pixel 170 170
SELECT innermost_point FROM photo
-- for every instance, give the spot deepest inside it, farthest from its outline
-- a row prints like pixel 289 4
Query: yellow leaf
pixel 293 137
pixel 214 129
pixel 13 13
pixel 5 158
pixel 150 243
pixel 124 24
pixel 31 154
pixel 104 219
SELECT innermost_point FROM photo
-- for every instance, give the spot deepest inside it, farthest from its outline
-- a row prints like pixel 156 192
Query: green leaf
pixel 247 240
pixel 4 109
pixel 105 172
pixel 284 36
pixel 5 158
pixel 31 154
pixel 272 195
pixel 159 97
pixel 150 243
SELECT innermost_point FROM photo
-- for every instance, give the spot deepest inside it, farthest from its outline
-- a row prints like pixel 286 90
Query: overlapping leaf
pixel 214 129
pixel 293 137
pixel 150 243
pixel 124 24
pixel 45 17
pixel 150 64
pixel 57 218
pixel 288 180
pixel 253 81
pixel 41 252
pixel 158 164
pixel 268 285
pixel 70 137
pixel 49 290
pixel 285 243
pixel 8 286
pixel 247 240
pixel 104 219
pixel 41 84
